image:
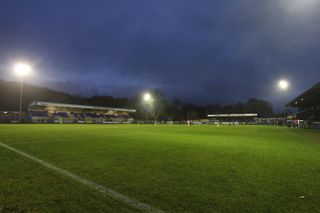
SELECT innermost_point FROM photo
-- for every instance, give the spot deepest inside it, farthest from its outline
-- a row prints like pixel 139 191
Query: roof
pixel 76 106
pixel 233 115
pixel 309 98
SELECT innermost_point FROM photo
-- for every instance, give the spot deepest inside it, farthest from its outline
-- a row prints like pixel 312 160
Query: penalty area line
pixel 104 190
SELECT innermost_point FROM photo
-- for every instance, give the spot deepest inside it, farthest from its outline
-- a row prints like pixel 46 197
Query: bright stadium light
pixel 148 100
pixel 147 97
pixel 22 70
pixel 283 84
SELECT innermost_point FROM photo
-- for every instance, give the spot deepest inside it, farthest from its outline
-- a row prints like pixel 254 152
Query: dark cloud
pixel 203 51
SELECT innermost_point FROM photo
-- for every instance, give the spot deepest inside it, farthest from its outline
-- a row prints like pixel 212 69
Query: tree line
pixel 160 109
pixel 177 110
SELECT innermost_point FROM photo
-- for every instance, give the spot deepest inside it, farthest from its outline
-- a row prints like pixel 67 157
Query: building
pixel 238 118
pixel 48 112
pixel 308 106
pixel 13 117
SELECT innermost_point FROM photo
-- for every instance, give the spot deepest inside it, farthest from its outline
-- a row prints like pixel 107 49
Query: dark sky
pixel 199 51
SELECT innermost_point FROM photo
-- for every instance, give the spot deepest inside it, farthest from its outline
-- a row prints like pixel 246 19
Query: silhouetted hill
pixel 10 94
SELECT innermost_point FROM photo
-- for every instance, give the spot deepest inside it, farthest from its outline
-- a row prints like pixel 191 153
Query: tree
pixel 262 107
pixel 156 108
pixel 159 105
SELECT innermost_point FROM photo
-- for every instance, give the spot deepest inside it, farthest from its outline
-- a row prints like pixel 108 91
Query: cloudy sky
pixel 199 51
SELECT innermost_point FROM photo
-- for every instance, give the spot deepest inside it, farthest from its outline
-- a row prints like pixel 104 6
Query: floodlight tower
pixel 283 86
pixel 148 100
pixel 21 70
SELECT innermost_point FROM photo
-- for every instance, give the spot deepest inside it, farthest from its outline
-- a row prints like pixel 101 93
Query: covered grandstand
pixel 235 118
pixel 13 117
pixel 308 107
pixel 48 112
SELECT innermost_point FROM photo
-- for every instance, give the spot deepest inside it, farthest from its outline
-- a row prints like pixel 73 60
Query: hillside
pixel 10 93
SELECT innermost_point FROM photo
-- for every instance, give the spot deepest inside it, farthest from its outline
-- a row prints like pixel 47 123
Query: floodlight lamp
pixel 22 69
pixel 147 97
pixel 283 84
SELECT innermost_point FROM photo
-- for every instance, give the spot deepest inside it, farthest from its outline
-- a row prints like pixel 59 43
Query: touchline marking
pixel 105 191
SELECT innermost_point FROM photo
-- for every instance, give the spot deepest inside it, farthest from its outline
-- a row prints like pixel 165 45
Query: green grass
pixel 173 168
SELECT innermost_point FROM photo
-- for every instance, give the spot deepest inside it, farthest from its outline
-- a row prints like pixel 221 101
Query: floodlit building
pixel 232 118
pixel 308 106
pixel 48 112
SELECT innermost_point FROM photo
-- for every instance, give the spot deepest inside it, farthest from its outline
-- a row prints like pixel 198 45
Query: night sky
pixel 197 51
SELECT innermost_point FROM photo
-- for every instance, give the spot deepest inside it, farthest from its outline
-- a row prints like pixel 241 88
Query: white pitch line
pixel 105 191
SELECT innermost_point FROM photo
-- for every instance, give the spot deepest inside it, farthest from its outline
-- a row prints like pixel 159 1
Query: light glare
pixel 300 6
pixel 147 97
pixel 22 69
pixel 283 84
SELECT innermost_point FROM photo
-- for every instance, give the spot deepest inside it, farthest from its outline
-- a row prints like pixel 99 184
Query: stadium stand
pixel 232 119
pixel 48 112
pixel 308 108
pixel 5 117
pixel 12 117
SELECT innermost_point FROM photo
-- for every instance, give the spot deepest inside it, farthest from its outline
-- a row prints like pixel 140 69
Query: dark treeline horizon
pixel 177 110
pixel 161 109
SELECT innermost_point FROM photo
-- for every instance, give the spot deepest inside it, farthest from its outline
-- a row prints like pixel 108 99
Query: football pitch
pixel 170 168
